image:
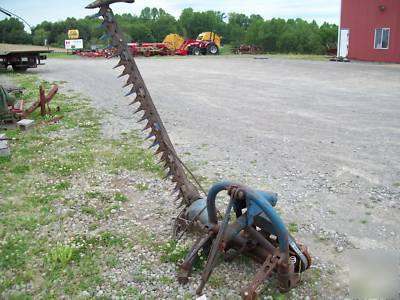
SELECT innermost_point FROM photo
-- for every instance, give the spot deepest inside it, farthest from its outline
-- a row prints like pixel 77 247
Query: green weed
pixel 293 228
pixel 61 255
pixel 171 252
pixel 216 281
pixel 142 187
pixel 118 196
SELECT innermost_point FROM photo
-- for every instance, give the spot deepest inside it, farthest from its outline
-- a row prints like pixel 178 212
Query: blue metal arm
pixel 258 202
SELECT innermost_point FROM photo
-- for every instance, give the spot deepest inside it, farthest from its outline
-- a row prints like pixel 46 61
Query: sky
pixel 36 11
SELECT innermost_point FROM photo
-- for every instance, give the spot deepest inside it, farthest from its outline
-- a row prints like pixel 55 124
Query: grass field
pixel 40 258
pixel 61 55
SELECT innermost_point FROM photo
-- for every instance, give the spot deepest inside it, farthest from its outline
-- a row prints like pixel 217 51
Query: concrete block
pixel 4 149
pixel 25 124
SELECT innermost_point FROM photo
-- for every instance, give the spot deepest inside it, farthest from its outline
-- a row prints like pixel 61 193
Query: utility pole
pixel 10 14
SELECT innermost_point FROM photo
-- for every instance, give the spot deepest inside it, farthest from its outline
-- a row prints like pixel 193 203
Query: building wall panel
pixel 362 17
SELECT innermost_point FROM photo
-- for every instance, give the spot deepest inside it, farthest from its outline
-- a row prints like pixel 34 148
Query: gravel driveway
pixel 325 136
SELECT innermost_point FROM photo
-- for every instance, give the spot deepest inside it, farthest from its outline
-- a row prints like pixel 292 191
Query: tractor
pixel 205 43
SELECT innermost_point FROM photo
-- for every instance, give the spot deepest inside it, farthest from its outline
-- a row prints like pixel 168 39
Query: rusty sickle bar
pixel 257 231
pixel 186 190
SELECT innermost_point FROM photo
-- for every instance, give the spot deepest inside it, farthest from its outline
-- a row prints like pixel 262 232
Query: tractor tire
pixel 19 68
pixel 212 49
pixel 196 51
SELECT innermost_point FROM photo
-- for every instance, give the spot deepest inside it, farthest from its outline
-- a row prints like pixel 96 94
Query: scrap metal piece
pixel 43 101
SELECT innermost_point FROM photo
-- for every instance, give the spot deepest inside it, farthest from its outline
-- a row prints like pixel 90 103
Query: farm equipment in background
pixel 257 230
pixel 21 57
pixel 247 49
pixel 174 41
pixel 150 49
pixel 173 44
pixel 168 46
pixel 12 110
pixel 205 43
pixel 92 53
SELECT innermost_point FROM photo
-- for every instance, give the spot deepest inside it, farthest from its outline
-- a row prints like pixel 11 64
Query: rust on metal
pixel 43 101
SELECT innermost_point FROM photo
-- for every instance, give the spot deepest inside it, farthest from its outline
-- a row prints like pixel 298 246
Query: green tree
pixel 194 23
pixel 164 25
pixel 153 24
pixel 329 34
pixel 13 31
pixel 39 35
pixel 145 13
pixel 154 13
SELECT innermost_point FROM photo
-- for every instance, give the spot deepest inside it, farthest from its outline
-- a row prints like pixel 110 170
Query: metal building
pixel 370 30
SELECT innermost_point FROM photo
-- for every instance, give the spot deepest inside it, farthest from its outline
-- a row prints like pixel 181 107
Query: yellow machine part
pixel 174 41
pixel 210 36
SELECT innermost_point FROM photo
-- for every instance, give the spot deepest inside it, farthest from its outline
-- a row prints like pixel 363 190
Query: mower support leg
pixel 187 265
pixel 249 293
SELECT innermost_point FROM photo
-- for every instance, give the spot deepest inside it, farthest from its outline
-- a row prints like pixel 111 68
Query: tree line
pixel 153 24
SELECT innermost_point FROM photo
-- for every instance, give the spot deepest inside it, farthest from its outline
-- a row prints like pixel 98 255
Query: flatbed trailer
pixel 21 57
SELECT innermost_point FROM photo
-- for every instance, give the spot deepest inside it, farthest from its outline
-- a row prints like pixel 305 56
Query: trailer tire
pixel 19 68
pixel 212 49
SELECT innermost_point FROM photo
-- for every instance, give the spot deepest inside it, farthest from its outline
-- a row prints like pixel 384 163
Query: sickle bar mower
pixel 257 231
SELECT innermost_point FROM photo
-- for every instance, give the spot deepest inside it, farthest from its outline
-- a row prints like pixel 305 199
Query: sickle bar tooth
pixel 169 174
pixel 103 25
pixel 131 80
pixel 98 15
pixel 161 149
pixel 120 63
pixel 131 92
pixel 179 196
pixel 151 134
pixel 176 189
pixel 143 118
pixel 124 73
pixel 126 84
pixel 164 161
pixel 166 165
pixel 113 55
pixel 106 36
pixel 164 156
pixel 140 108
pixel 148 125
pixel 137 99
pixel 161 161
pixel 155 143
